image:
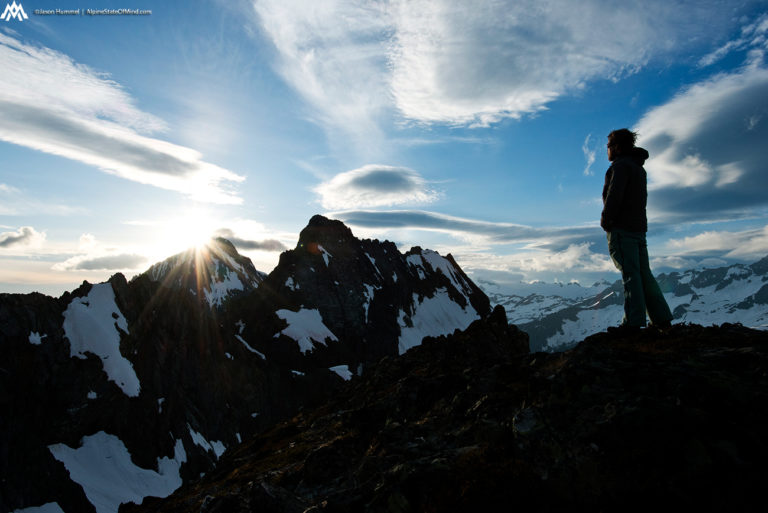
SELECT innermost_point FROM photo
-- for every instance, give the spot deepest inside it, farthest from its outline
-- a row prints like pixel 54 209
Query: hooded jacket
pixel 625 193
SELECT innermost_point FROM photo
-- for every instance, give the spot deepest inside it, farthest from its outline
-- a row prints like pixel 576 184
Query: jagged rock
pixel 363 299
pixel 671 421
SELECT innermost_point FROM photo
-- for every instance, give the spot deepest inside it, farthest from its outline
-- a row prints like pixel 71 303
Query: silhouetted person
pixel 625 194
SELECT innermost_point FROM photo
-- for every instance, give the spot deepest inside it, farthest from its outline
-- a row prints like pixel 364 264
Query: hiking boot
pixel 660 327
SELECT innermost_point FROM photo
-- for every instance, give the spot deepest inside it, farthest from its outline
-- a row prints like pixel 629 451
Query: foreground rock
pixel 651 422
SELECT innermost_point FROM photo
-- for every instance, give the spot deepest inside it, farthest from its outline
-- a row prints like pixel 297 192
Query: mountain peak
pixel 324 231
pixel 213 272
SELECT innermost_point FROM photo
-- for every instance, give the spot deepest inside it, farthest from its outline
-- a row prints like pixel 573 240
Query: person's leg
pixel 658 309
pixel 624 249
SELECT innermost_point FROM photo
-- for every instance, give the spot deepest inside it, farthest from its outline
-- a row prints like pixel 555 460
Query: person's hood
pixel 639 155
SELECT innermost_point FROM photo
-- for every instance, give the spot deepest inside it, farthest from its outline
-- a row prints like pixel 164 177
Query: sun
pixel 191 229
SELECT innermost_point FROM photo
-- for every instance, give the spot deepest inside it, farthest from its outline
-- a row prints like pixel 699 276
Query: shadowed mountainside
pixel 651 421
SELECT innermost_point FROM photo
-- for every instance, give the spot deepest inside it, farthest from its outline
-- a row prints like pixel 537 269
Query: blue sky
pixel 472 128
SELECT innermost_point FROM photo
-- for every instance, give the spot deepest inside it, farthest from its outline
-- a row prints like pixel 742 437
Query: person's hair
pixel 623 139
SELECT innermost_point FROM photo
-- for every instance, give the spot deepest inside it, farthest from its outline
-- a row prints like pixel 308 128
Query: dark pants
pixel 629 251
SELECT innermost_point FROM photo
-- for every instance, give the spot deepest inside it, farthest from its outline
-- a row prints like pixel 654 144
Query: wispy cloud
pixel 334 54
pixel 753 35
pixel 747 244
pixel 111 262
pixel 555 238
pixel 24 236
pixel 246 244
pixel 467 63
pixel 52 104
pixel 15 202
pixel 375 186
pixel 589 156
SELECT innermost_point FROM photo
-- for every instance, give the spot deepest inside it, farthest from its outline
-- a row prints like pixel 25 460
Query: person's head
pixel 620 142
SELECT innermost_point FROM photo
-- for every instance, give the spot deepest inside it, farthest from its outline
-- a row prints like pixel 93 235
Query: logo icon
pixel 14 10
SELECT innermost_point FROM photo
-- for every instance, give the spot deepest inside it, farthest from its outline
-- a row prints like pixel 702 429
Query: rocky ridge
pixel 654 421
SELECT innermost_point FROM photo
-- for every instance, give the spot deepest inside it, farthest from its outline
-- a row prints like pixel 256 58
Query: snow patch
pixel 369 291
pixel 373 263
pixel 92 395
pixel 91 324
pixel 51 507
pixel 326 256
pixel 305 327
pixel 418 263
pixel 442 264
pixel 343 371
pixel 432 317
pixel 36 338
pixel 291 284
pixel 240 326
pixel 248 346
pixel 218 448
pixel 102 466
pixel 220 289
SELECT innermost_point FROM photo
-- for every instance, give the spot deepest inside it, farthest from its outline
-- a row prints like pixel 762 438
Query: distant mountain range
pixel 558 316
pixel 127 389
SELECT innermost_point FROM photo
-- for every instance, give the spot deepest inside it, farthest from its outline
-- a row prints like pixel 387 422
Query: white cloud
pixel 334 54
pixel 707 143
pixel 589 156
pixel 752 35
pixel 707 147
pixel 52 104
pixel 468 63
pixel 748 244
pixel 375 186
pixel 673 262
pixel 6 189
pixel 24 236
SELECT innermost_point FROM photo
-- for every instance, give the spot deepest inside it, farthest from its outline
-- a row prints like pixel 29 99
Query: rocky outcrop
pixel 654 421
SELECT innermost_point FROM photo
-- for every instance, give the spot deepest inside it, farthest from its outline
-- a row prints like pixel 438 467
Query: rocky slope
pixel 122 390
pixel 657 421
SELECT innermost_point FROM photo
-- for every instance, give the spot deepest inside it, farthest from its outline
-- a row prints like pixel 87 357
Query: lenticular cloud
pixel 52 104
pixel 375 186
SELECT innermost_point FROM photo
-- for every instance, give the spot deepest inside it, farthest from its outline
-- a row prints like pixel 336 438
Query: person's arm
pixel 614 195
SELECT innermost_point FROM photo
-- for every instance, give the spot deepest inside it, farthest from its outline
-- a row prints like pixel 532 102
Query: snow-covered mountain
pixel 556 321
pixel 122 390
pixel 336 300
pixel 528 302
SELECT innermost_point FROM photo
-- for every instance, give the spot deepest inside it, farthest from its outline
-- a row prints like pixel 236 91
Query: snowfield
pixel 305 327
pixel 91 324
pixel 102 466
